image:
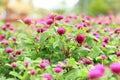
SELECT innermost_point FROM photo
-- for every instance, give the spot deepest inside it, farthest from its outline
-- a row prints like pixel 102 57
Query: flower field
pixel 58 47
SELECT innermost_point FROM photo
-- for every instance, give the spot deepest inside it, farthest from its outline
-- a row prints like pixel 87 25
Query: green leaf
pixel 71 75
pixel 72 62
pixel 26 76
pixel 15 74
pixel 43 38
pixel 56 43
pixel 95 51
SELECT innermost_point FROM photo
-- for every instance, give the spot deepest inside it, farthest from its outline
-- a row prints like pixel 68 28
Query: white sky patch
pixel 49 4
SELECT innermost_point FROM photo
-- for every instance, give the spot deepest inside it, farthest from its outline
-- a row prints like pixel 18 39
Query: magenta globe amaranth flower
pixel 106 39
pixel 40 30
pixel 13 38
pixel 100 67
pixel 13 64
pixel 26 63
pixel 49 21
pixel 3 28
pixel 51 16
pixel 115 67
pixel 87 45
pixel 103 56
pixel 32 72
pixel 19 52
pixel 61 30
pixel 104 44
pixel 117 30
pixel 88 61
pixel 8 24
pixel 27 21
pixel 2 36
pixel 118 53
pixel 47 76
pixel 58 69
pixel 80 38
pixel 96 72
pixel 46 61
pixel 9 50
pixel 59 17
pixel 42 65
pixel 79 26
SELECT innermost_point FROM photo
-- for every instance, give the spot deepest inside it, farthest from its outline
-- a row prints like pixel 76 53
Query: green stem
pixel 57 76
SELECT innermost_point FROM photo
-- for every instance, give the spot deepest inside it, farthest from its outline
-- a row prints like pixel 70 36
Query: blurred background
pixel 18 9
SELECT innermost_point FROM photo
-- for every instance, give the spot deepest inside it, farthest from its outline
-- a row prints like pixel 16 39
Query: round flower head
pixel 49 21
pixel 27 20
pixel 59 17
pixel 118 53
pixel 115 67
pixel 80 38
pixel 61 30
pixel 32 72
pixel 9 50
pixel 13 64
pixel 18 51
pixel 88 61
pixel 58 69
pixel 47 76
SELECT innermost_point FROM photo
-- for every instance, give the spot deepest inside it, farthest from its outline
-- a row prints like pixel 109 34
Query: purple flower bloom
pixel 47 76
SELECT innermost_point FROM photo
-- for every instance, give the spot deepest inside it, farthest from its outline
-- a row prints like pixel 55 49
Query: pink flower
pixel 95 33
pixel 58 65
pixel 13 64
pixel 47 76
pixel 105 39
pixel 18 51
pixel 13 38
pixel 26 63
pixel 87 45
pixel 3 28
pixel 67 20
pixel 59 17
pixel 9 50
pixel 11 57
pixel 81 61
pixel 49 21
pixel 103 44
pixel 100 67
pixel 42 65
pixel 58 69
pixel 118 53
pixel 79 26
pixel 83 20
pixel 11 28
pixel 36 38
pixel 103 56
pixel 27 20
pixel 45 61
pixel 40 30
pixel 61 30
pixel 80 38
pixel 88 61
pixel 51 16
pixel 117 30
pixel 99 22
pixel 2 36
pixel 115 67
pixel 96 71
pixel 32 72
pixel 8 24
